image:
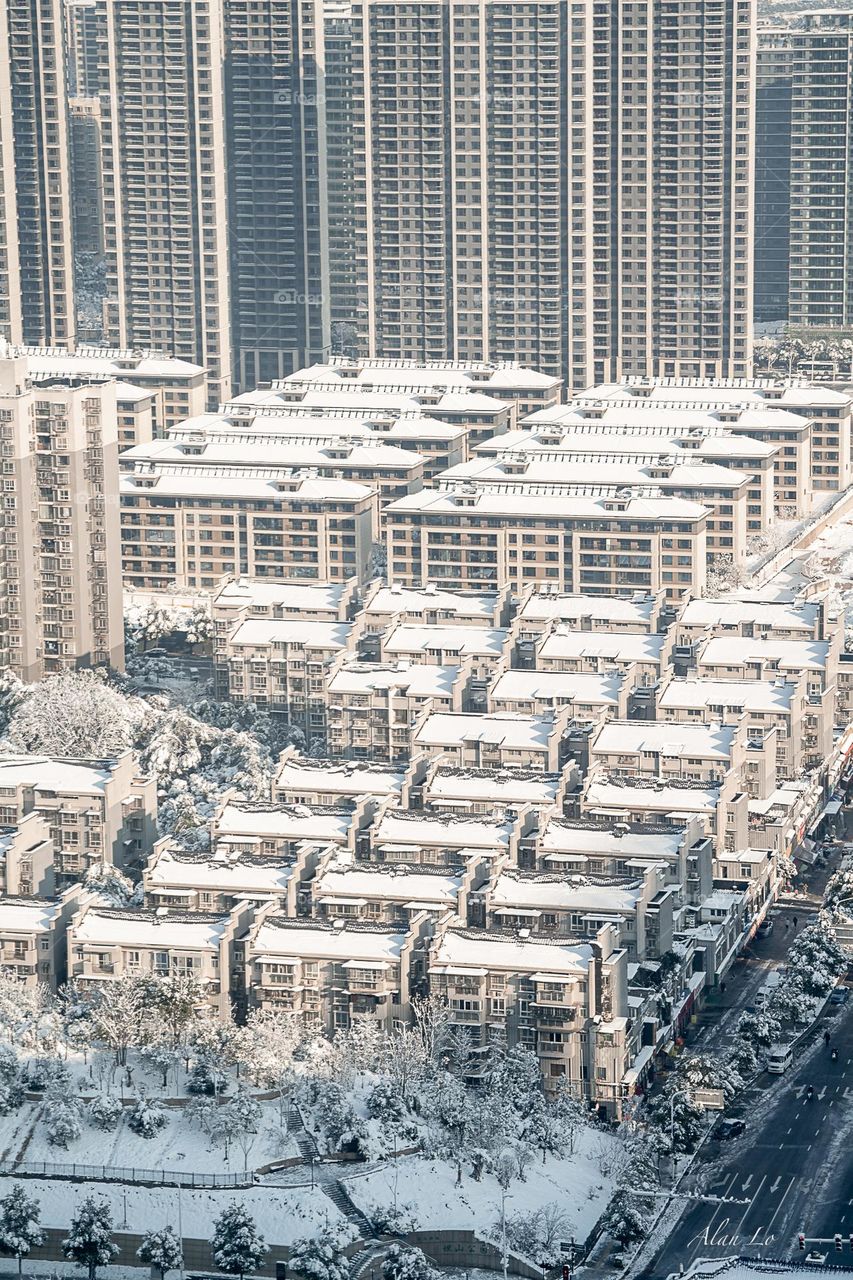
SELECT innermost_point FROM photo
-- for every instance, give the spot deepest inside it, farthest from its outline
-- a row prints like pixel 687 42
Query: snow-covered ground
pixel 181 1145
pixel 427 1194
pixel 281 1215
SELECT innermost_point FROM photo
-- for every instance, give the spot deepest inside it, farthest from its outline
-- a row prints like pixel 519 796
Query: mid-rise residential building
pixel 387 893
pixel 334 782
pixel 444 838
pixel 278 216
pixel 275 829
pixel 818 458
pixel 588 696
pixel 95 810
pixel 453 789
pixel 27 857
pixel 542 606
pixel 36 250
pixel 60 580
pixel 165 186
pixel 430 606
pixel 193 526
pixel 490 229
pixel 477 539
pixel 177 387
pixel 640 654
pixel 217 881
pixel 496 740
pixel 754 619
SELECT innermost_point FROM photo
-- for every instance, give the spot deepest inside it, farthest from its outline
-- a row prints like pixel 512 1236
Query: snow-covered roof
pixel 210 482
pixel 467 949
pixel 417 600
pixel 279 936
pixel 604 793
pixel 558 686
pixel 186 931
pixel 449 830
pixel 801 616
pixel 544 605
pixel 405 400
pixel 456 374
pixel 417 679
pixel 792 655
pixel 512 732
pixel 503 786
pixel 27 915
pixel 46 773
pixel 479 642
pixel 645 442
pixel 306 634
pixel 649 737
pixel 522 500
pixel 761 696
pixel 241 874
pixel 297 595
pixel 554 893
pixel 613 646
pixel 367 454
pixel 755 393
pixel 391 883
pixel 129 391
pixel 346 778
pixel 560 836
pixel 284 822
pixel 553 468
pixel 104 362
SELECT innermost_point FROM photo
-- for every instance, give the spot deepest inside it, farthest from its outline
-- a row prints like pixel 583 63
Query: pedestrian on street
pixel 722 988
pixel 795 922
pixel 826 1038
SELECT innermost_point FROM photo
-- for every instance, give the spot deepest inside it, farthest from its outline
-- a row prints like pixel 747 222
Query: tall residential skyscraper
pixel 60 571
pixel 564 184
pixel 773 108
pixel 340 168
pixel 36 258
pixel 277 187
pixel 164 173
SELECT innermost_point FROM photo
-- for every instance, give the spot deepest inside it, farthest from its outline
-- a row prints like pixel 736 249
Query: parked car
pixel 766 927
pixel 840 995
pixel 728 1128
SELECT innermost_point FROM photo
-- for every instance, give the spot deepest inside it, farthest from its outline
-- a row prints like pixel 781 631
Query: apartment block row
pixel 636 486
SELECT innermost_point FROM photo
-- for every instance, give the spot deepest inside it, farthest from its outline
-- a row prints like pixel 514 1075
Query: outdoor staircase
pixel 341 1199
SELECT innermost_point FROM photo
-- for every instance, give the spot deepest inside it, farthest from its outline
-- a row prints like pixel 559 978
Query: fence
pixel 109 1173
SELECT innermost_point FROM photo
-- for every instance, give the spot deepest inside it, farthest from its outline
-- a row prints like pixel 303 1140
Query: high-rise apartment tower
pixel 564 184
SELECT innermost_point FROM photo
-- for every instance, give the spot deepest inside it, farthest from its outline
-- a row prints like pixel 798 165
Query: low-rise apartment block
pixel 641 655
pixel 329 972
pixel 218 880
pixel 32 938
pixel 27 858
pixel 720 809
pixel 372 707
pixel 388 893
pixel 279 830
pixel 476 791
pixel 541 607
pixel 94 810
pixel 430 606
pixel 105 944
pixel 587 696
pixel 565 1000
pixel 334 782
pixel 493 740
pixel 433 837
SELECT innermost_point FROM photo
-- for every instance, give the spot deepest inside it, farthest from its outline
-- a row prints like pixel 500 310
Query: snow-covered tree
pixel 627 1217
pixel 90 1236
pixel 61 1118
pixel 11 1080
pixel 146 1118
pixel 675 1113
pixel 44 1074
pixel 238 1121
pixel 19 1224
pixel 816 959
pixel 758 1029
pixel 74 714
pixel 323 1256
pixel 237 1245
pixel 180 1004
pixel 110 884
pixel 161 1058
pixel 104 1111
pixel 120 1014
pixel 161 1249
pixel 407 1262
pixel 536 1233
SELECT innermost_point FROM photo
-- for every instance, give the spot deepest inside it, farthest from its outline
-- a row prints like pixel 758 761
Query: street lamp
pixel 504 1253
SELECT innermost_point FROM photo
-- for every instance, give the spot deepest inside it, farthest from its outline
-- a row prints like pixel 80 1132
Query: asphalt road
pixel 791 1171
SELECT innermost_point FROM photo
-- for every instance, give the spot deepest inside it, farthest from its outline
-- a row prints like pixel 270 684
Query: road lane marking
pixel 775 1186
pixel 781 1202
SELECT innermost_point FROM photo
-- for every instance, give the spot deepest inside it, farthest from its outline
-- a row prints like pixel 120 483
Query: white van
pixel 779 1058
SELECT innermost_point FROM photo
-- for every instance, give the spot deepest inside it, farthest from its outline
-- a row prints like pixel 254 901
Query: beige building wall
pixel 165 183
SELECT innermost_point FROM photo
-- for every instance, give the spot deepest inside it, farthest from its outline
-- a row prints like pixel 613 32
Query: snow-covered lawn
pixel 181 1145
pixel 281 1215
pixel 426 1190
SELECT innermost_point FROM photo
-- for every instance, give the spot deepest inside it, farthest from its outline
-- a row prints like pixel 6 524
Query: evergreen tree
pixel 407 1262
pixel 19 1224
pixel 90 1237
pixel 237 1245
pixel 161 1249
pixel 323 1257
